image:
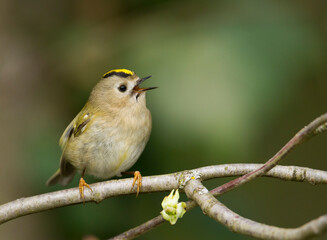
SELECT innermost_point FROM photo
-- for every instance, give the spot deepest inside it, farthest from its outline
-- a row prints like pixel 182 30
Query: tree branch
pixel 106 189
pixel 219 212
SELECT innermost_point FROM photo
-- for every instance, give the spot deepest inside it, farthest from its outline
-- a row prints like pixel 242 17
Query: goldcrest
pixel 109 134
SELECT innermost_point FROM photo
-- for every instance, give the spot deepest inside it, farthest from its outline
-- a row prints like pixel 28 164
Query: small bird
pixel 109 134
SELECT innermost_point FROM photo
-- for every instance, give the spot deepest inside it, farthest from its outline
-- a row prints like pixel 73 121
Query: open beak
pixel 138 89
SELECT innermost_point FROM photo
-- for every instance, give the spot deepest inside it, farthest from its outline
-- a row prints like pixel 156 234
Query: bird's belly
pixel 105 154
pixel 111 159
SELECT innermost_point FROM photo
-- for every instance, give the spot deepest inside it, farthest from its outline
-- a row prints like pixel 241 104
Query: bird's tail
pixel 57 177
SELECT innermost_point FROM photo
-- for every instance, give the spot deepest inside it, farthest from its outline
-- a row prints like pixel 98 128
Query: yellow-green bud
pixel 172 209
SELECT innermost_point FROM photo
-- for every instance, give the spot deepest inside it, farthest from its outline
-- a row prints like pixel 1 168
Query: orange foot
pixel 81 186
pixel 138 178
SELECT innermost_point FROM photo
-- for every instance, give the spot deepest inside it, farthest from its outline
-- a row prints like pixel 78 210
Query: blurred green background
pixel 236 79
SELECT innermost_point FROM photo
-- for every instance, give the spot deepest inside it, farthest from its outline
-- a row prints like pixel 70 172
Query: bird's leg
pixel 83 184
pixel 137 179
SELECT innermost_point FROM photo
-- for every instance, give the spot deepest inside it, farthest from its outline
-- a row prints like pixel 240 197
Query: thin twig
pixel 315 127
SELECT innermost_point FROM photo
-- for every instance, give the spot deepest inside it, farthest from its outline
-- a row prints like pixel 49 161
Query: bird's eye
pixel 122 88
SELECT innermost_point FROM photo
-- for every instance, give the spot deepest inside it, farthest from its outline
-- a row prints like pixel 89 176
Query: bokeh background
pixel 236 80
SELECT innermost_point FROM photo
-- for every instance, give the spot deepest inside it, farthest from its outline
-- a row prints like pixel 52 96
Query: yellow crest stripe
pixel 125 71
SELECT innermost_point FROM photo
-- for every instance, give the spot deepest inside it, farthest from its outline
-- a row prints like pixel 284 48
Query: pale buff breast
pixel 107 149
